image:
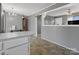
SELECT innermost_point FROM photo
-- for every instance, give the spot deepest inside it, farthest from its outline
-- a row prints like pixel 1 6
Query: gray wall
pixel 13 20
pixel 0 17
pixel 2 21
pixel 32 24
pixel 62 35
pixel 39 24
pixel 64 21
pixel 49 19
pixel 54 18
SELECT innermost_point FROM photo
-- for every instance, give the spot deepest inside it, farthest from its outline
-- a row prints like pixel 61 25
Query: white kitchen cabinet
pixel 15 42
pixel 0 53
pixel 17 46
pixel 21 50
pixel 0 45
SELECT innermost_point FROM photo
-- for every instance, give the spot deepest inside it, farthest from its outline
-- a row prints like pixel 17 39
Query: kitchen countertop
pixel 5 36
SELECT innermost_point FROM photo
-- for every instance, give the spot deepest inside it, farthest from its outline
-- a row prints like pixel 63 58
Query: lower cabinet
pixel 0 53
pixel 15 42
pixel 15 46
pixel 20 50
pixel 0 45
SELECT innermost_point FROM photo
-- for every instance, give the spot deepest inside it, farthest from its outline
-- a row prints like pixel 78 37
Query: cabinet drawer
pixel 0 45
pixel 21 50
pixel 15 42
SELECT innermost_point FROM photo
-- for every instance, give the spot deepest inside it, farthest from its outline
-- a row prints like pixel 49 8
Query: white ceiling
pixel 74 7
pixel 25 8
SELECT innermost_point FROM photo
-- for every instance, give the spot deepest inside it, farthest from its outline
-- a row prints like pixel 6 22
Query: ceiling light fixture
pixel 68 12
pixel 12 12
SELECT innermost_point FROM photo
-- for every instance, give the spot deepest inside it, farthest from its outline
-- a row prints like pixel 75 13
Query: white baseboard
pixel 59 44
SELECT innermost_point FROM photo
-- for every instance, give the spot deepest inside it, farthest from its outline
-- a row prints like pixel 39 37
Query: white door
pixel 21 50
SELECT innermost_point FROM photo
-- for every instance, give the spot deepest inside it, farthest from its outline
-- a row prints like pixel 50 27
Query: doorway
pixel 25 23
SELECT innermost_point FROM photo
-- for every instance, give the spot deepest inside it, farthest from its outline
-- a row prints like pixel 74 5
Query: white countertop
pixel 4 36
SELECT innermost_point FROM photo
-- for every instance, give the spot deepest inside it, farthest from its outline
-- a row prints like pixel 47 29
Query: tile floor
pixel 42 47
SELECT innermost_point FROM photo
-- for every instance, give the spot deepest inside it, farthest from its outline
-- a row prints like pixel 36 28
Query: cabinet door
pixel 21 50
pixel 15 42
pixel 0 53
pixel 0 45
